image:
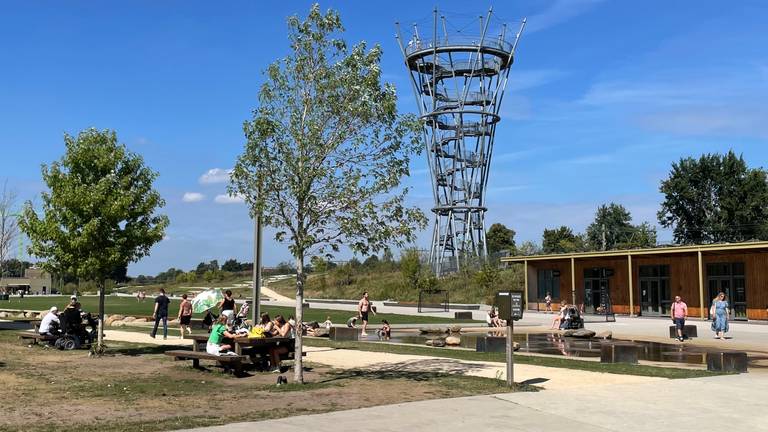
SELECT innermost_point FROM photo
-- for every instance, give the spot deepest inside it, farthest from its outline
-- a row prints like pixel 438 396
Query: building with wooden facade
pixel 645 281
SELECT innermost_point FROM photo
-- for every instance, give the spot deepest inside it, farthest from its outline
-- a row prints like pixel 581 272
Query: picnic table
pixel 254 348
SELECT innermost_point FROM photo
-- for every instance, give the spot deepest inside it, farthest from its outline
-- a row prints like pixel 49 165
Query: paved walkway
pixel 735 403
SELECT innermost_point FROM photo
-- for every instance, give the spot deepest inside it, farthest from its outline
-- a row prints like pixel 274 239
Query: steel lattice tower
pixel 459 81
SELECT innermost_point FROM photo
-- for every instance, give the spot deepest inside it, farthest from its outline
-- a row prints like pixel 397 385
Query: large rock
pixel 455 329
pixel 117 324
pixel 32 315
pixel 3 314
pixel 579 333
pixel 439 342
pixel 129 319
pixel 453 340
pixel 605 335
pixel 433 330
pixel 112 318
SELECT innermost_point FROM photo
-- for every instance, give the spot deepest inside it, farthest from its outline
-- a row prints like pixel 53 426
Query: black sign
pixel 510 304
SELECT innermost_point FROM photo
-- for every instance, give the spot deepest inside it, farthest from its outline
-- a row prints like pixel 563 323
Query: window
pixel 549 282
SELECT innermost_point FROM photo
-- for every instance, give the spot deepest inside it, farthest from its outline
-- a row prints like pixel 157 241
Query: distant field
pixel 130 307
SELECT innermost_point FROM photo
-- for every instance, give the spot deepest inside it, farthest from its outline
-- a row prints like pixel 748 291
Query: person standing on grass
pixel 363 307
pixel 185 315
pixel 161 313
pixel 679 314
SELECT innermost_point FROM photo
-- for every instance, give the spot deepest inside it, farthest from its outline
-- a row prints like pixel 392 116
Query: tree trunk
pixel 298 370
pixel 100 286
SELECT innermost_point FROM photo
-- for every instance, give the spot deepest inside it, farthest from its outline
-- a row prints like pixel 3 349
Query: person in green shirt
pixel 219 332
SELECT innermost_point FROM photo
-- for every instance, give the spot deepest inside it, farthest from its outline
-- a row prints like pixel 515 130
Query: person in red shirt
pixel 679 314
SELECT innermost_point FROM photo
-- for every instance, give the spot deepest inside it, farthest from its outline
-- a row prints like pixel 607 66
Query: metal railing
pixel 415 45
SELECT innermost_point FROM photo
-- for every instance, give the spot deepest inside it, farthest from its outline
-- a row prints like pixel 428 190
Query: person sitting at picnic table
pixel 283 330
pixel 282 327
pixel 267 324
pixel 217 345
pixel 50 322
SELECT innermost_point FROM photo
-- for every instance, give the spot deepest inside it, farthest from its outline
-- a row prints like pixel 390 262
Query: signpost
pixel 510 304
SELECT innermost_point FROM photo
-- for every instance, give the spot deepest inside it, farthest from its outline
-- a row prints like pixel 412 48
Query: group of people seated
pixel 54 323
pixel 223 336
pixel 493 320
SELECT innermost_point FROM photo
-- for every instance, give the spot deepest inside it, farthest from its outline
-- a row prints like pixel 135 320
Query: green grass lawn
pixel 130 307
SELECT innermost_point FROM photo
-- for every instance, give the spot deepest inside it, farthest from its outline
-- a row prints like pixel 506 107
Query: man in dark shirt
pixel 161 313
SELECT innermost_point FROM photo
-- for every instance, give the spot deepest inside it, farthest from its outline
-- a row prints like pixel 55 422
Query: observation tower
pixel 459 74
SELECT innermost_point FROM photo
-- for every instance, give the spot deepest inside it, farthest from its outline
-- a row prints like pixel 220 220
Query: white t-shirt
pixel 45 324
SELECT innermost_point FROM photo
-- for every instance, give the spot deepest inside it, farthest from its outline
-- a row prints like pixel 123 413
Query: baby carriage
pixel 572 319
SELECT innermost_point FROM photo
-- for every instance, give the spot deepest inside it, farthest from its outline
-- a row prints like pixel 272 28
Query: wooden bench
pixel 232 363
pixel 34 338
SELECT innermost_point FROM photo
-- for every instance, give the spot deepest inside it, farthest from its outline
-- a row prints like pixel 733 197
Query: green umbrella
pixel 206 300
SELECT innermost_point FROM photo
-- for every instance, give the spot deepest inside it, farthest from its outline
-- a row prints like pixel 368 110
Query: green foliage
pixel 499 238
pixel 99 210
pixel 612 229
pixel 528 248
pixel 561 240
pixel 715 198
pixel 487 278
pixel 410 266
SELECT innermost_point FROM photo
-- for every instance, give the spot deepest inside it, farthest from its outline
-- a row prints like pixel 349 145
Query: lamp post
pixel 256 269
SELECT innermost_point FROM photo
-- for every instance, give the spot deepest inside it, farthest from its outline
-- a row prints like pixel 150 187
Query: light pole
pixel 256 269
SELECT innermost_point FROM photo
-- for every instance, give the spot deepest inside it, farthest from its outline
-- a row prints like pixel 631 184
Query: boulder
pixel 21 315
pixel 112 318
pixel 117 324
pixel 455 329
pixel 32 315
pixel 579 333
pixel 129 319
pixel 605 335
pixel 3 315
pixel 174 321
pixel 433 330
pixel 453 340
pixel 439 342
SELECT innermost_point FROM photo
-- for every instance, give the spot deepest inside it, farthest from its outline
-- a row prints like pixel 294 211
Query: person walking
pixel 679 314
pixel 719 313
pixel 548 303
pixel 185 315
pixel 363 307
pixel 160 313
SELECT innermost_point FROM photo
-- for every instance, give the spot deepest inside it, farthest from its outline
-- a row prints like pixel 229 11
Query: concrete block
pixel 689 331
pixel 343 334
pixel 727 361
pixel 462 315
pixel 619 352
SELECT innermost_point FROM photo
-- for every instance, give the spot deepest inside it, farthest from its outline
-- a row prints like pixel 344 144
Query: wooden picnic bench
pixel 34 338
pixel 254 348
pixel 232 363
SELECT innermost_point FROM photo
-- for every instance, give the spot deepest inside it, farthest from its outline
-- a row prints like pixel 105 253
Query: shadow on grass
pixel 143 349
pixel 412 370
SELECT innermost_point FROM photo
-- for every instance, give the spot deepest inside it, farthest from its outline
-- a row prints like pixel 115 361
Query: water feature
pixel 556 344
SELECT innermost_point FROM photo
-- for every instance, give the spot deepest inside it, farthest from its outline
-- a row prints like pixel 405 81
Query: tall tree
pixel 613 229
pixel 99 213
pixel 715 198
pixel 499 238
pixel 9 229
pixel 561 240
pixel 326 151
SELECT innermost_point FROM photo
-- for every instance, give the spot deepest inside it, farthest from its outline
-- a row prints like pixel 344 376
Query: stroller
pixel 572 319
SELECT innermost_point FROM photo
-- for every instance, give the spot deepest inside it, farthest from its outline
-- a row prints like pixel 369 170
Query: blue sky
pixel 604 95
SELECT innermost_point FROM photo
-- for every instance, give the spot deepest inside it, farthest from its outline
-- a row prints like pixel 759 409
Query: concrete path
pixel 735 403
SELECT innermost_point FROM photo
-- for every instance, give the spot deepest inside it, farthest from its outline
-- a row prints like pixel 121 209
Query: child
pixel 351 321
pixel 385 332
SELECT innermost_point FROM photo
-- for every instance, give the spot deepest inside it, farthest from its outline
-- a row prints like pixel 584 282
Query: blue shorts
pixel 679 323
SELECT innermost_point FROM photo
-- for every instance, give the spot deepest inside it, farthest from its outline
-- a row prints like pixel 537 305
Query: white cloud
pixel 228 199
pixel 192 197
pixel 215 175
pixel 560 11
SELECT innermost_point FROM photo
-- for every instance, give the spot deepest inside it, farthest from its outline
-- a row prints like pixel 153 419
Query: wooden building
pixel 646 281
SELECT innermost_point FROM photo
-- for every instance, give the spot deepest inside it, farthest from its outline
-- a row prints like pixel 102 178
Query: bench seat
pixel 35 337
pixel 231 362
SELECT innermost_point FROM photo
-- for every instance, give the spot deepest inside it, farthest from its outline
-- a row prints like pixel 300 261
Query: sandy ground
pixel 546 377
